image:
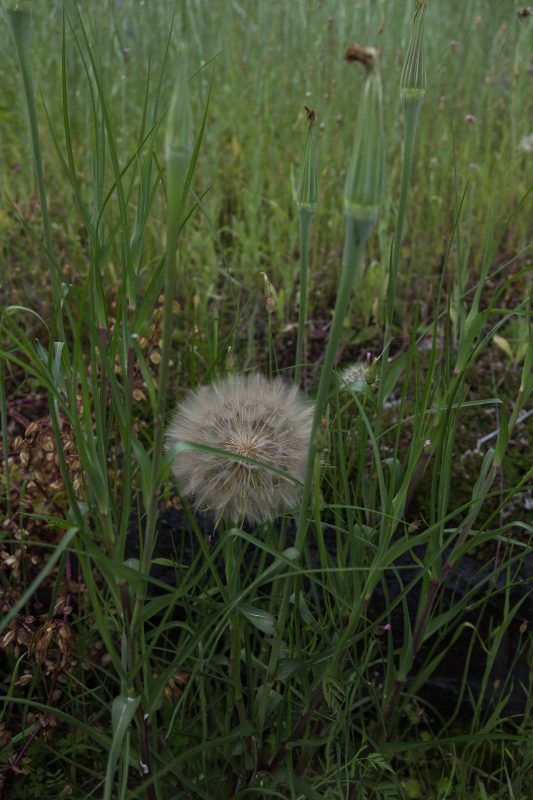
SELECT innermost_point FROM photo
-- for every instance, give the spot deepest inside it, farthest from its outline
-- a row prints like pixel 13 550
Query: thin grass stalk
pixel 306 201
pixel 489 470
pixel 305 218
pixel 270 345
pixel 383 727
pixel 356 236
pixel 178 158
pixel 5 449
pixel 362 196
pixel 232 557
pixel 412 91
pixel 411 115
pixel 178 155
pixel 20 22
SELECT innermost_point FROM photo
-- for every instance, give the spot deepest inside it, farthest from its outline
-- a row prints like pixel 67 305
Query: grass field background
pixel 294 659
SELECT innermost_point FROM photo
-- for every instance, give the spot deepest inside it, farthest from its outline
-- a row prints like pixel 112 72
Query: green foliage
pixel 259 662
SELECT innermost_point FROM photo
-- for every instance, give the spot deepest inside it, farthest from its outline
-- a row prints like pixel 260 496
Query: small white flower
pixel 265 420
pixel 526 143
pixel 356 377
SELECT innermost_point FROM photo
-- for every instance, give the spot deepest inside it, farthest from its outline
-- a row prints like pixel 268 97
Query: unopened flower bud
pixel 230 360
pixel 178 134
pixel 413 80
pixel 307 193
pixel 372 372
pixel 364 181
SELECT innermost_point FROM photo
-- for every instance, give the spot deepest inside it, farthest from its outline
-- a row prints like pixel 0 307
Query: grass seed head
pixel 248 416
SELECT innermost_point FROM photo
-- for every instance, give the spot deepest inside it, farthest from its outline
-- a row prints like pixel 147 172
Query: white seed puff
pixel 251 416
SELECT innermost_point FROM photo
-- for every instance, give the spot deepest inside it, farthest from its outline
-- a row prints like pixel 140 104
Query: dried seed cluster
pixel 37 456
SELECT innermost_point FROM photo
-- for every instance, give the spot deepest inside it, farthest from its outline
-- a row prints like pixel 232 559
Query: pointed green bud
pixel 178 135
pixel 307 192
pixel 364 181
pixel 178 132
pixel 413 80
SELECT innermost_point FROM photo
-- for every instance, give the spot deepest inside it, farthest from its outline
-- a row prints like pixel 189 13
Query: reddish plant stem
pixel 144 728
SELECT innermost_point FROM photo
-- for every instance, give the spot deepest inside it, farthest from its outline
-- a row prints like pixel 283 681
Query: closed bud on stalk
pixel 178 132
pixel 307 192
pixel 413 80
pixel 178 128
pixel 230 360
pixel 372 373
pixel 270 294
pixel 364 181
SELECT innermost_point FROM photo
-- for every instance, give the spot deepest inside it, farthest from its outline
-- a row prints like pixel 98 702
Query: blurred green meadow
pixel 300 658
pixel 267 61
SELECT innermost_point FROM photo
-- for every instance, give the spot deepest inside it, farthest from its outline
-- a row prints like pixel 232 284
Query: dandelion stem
pixel 412 92
pixel 232 557
pixel 411 113
pixel 305 218
pixel 357 232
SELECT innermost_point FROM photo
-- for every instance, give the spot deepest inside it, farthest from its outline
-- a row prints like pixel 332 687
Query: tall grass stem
pixel 305 218
pixel 20 22
pixel 356 236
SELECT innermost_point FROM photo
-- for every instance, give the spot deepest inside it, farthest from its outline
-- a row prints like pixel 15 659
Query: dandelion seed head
pixel 252 417
pixel 356 377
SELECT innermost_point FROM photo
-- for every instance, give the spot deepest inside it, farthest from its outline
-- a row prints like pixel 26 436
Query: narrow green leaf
pixel 262 620
pixel 122 712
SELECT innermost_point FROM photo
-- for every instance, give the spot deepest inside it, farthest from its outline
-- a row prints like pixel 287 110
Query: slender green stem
pixel 232 557
pixel 411 113
pixel 20 20
pixel 270 343
pixel 5 448
pixel 357 232
pixel 175 205
pixel 356 236
pixel 305 218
